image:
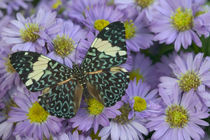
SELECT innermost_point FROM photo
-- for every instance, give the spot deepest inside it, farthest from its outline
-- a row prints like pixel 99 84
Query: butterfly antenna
pixel 78 45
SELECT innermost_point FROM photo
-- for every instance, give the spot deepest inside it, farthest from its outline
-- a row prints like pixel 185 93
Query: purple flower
pixel 180 118
pixel 99 16
pixel 123 128
pixel 78 8
pixel 8 76
pixel 202 22
pixel 189 71
pixel 94 115
pixel 163 68
pixel 175 21
pixel 13 5
pixel 137 34
pixel 6 127
pixel 145 7
pixel 66 43
pixel 142 99
pixel 70 136
pixel 31 34
pixel 50 5
pixel 144 70
pixel 4 21
pixel 204 95
pixel 30 118
pixel 60 6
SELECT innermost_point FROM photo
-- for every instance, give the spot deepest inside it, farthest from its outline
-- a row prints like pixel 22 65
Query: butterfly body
pixel 99 74
pixel 78 74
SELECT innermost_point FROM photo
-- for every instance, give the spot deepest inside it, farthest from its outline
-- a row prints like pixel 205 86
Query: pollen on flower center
pixel 176 116
pixel 30 33
pixel 144 3
pixel 182 19
pixel 95 107
pixel 57 4
pixel 123 118
pixel 129 29
pixel 140 104
pixel 63 45
pixel 37 114
pixel 9 66
pixel 100 24
pixel 136 74
pixel 189 80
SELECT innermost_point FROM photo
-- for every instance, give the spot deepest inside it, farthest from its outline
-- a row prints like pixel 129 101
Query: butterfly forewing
pixel 37 71
pixel 107 50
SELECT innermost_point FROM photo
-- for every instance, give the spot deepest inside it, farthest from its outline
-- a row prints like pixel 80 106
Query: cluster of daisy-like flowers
pixel 168 96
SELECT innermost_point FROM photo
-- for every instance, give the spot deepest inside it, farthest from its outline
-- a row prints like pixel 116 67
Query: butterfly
pixel 99 75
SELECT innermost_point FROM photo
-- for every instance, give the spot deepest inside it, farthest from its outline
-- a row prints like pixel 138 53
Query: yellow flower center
pixel 100 24
pixel 144 3
pixel 37 114
pixel 30 33
pixel 57 4
pixel 63 45
pixel 176 116
pixel 182 20
pixel 136 74
pixel 8 65
pixel 123 118
pixel 140 104
pixel 129 29
pixel 95 107
pixel 189 81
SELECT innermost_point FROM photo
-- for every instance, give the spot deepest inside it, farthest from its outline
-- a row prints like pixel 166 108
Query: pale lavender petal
pixel 115 134
pixel 139 127
pixel 186 135
pixel 196 39
pixel 181 64
pixel 191 132
pixel 104 131
pixel 189 61
pixel 177 43
pixel 197 61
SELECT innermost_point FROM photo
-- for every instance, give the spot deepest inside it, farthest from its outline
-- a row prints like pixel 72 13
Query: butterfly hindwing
pixel 109 86
pixel 37 71
pixel 108 49
pixel 62 100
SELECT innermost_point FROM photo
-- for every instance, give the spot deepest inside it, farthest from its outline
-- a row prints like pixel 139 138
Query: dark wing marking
pixel 109 86
pixel 62 100
pixel 107 50
pixel 37 71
